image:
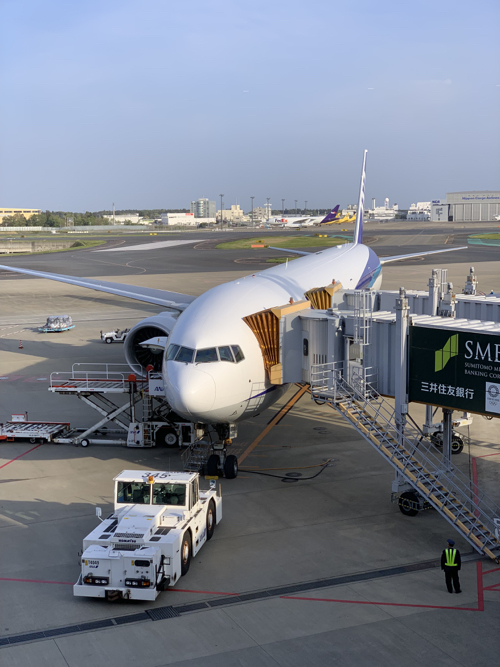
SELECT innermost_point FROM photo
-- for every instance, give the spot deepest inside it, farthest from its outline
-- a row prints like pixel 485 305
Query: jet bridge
pixel 356 349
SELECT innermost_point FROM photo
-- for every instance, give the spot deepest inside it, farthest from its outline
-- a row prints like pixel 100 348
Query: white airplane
pixel 213 369
pixel 303 220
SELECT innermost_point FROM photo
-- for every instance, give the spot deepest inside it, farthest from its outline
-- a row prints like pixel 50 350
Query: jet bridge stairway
pixel 413 456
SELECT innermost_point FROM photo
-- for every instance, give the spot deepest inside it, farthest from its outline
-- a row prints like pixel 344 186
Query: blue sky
pixel 154 103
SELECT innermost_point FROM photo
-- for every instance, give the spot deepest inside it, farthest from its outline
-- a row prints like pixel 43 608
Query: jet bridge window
pixel 206 356
pixel 136 493
pixel 169 494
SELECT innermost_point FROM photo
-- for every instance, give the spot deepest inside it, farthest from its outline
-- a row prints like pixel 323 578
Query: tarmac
pixel 323 571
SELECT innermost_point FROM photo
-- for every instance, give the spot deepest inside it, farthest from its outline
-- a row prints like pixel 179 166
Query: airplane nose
pixel 190 391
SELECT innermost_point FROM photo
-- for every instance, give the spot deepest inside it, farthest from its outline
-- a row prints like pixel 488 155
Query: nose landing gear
pixel 220 463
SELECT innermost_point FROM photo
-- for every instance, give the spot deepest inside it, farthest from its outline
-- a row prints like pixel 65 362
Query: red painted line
pixel 492 588
pixel 185 590
pixel 480 589
pixel 485 456
pixel 20 456
pixel 480 598
pixel 490 571
pixel 37 581
pixel 389 604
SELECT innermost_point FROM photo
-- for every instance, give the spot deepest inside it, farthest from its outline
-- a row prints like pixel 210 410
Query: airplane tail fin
pixel 358 231
pixel 330 217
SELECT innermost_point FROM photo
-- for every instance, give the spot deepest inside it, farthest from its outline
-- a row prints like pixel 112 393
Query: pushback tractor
pixel 160 521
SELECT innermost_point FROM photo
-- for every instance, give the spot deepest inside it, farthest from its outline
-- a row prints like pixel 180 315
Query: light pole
pixel 267 208
pixel 282 208
pixel 305 207
pixel 221 222
pixel 253 221
pixel 296 206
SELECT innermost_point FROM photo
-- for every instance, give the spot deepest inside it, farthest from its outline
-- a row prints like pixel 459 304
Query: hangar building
pixel 469 206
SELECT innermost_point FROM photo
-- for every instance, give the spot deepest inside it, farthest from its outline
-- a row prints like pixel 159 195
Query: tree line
pixel 68 218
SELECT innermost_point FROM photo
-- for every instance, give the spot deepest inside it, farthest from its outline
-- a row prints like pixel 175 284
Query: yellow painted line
pixel 286 408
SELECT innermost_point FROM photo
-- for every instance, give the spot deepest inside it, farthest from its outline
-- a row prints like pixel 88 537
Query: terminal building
pixel 471 206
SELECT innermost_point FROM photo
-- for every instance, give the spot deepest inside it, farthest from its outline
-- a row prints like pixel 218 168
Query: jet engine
pixel 138 357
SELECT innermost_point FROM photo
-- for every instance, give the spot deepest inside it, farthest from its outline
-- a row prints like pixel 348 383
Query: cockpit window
pixel 207 355
pixel 172 351
pixel 185 354
pixel 238 354
pixel 225 354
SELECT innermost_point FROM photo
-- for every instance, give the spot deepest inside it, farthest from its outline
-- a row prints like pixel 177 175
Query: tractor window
pixel 133 493
pixel 225 354
pixel 206 356
pixel 194 492
pixel 169 494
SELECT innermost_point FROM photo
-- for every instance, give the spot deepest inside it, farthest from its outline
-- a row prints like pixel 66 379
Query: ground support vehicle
pixel 161 520
pixel 116 336
pixel 434 431
pixel 57 323
pixel 19 428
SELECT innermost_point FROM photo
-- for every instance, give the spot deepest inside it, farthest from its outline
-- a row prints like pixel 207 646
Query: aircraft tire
pixel 231 467
pixel 213 465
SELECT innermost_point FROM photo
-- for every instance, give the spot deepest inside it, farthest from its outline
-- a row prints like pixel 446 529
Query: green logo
pixel 443 356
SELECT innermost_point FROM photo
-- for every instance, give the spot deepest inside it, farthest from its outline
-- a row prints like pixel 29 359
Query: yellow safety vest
pixel 450 557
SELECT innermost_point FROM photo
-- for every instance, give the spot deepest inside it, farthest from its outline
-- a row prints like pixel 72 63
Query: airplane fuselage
pixel 229 391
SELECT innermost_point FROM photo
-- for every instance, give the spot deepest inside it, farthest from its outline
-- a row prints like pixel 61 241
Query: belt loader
pixel 161 520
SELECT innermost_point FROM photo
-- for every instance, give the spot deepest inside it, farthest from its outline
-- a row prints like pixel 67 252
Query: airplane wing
pixel 297 252
pixel 173 300
pixel 395 258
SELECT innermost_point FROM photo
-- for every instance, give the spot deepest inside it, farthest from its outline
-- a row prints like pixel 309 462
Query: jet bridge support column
pixel 434 296
pixel 447 437
pixel 401 358
pixel 401 376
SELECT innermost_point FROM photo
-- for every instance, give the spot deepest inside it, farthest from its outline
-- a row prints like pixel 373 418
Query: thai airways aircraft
pixel 213 367
pixel 304 221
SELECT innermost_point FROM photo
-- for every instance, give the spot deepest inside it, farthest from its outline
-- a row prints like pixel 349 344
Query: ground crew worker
pixel 451 564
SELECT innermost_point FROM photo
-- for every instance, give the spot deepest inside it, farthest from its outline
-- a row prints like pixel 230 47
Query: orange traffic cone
pixel 21 345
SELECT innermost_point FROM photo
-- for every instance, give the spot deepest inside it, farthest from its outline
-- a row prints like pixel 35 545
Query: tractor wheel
pixel 210 520
pixel 186 553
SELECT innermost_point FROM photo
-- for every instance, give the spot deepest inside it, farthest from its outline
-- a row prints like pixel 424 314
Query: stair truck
pixel 160 521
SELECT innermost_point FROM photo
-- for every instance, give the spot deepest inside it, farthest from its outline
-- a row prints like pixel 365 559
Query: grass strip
pixel 284 242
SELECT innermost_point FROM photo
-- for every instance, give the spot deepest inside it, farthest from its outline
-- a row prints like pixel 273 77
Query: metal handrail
pixel 327 381
pixel 58 377
pixel 104 369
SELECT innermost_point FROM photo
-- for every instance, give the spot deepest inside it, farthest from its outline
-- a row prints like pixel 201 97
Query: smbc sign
pixel 455 369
